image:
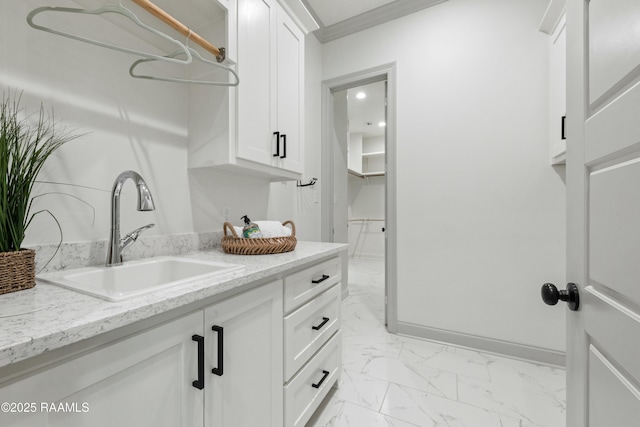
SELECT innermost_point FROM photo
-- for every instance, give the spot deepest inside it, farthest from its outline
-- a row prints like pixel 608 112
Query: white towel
pixel 268 229
pixel 273 229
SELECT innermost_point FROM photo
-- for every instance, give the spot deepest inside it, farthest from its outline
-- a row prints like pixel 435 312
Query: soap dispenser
pixel 250 230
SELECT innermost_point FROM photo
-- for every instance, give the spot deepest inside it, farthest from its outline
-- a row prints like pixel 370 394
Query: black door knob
pixel 551 295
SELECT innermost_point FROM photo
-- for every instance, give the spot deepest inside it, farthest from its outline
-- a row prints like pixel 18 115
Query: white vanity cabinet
pixel 142 380
pixel 312 338
pixel 164 376
pixel 265 356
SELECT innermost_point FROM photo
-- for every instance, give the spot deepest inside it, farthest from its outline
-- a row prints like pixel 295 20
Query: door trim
pixel 577 207
pixel 383 72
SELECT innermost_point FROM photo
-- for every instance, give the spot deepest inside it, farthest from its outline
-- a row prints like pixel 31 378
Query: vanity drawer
pixel 305 392
pixel 300 287
pixel 308 328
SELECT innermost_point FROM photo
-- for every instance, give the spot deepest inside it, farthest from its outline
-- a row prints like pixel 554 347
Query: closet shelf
pixel 366 174
pixel 374 154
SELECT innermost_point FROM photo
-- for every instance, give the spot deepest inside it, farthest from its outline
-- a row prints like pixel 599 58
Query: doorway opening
pixel 366 112
pixel 358 158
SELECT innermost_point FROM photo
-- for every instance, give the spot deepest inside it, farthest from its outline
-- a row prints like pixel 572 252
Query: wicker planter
pixel 17 270
pixel 232 244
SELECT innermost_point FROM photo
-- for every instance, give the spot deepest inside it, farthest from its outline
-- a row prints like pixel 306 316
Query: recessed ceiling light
pixel 382 124
pixel 361 95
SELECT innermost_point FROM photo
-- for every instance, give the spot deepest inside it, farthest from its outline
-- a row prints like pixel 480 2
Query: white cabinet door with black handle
pixel 149 379
pixel 244 351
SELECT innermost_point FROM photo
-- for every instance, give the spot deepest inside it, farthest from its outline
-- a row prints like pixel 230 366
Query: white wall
pixel 139 125
pixel 128 124
pixel 480 211
pixel 340 141
pixel 366 201
pixel 374 144
pixel 286 200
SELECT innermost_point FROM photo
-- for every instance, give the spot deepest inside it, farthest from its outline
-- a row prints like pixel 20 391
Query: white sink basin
pixel 135 278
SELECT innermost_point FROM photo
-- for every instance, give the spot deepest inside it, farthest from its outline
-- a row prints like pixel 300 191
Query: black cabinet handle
pixel 324 322
pixel 324 277
pixel 199 383
pixel 562 133
pixel 284 146
pixel 219 370
pixel 324 377
pixel 277 134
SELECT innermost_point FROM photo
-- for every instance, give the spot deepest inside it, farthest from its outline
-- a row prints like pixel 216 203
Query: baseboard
pixel 490 345
pixel 375 256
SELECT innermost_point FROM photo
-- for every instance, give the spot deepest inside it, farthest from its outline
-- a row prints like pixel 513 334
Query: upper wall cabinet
pixel 270 98
pixel 258 127
pixel 554 24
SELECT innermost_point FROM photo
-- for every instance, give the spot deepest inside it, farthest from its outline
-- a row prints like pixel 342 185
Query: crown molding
pixel 377 16
pixel 552 16
pixel 298 11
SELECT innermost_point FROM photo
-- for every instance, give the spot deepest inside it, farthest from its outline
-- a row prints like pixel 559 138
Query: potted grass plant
pixel 26 142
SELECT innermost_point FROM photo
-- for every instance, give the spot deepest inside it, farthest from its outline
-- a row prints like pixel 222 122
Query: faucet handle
pixel 133 236
pixel 138 231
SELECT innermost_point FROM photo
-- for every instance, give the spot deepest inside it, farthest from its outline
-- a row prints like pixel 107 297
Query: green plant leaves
pixel 24 148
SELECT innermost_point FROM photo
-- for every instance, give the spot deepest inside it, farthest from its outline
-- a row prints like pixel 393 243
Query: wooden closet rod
pixel 181 28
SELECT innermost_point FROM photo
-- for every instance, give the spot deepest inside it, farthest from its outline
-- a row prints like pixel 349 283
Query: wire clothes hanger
pixel 120 10
pixel 195 55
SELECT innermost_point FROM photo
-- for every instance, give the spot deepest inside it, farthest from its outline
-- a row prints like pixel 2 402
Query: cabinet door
pixel 558 92
pixel 257 119
pixel 143 380
pixel 290 90
pixel 248 390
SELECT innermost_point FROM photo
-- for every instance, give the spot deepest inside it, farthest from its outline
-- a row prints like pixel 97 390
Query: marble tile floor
pixel 395 381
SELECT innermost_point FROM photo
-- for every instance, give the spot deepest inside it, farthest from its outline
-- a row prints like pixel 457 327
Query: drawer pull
pixel 324 277
pixel 324 322
pixel 199 383
pixel 220 330
pixel 324 377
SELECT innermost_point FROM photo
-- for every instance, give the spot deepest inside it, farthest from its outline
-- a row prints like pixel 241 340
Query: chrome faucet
pixel 145 203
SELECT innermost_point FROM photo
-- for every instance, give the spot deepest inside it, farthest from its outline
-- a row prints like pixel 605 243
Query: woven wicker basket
pixel 17 270
pixel 232 244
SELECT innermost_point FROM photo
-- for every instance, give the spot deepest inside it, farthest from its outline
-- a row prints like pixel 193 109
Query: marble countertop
pixel 48 317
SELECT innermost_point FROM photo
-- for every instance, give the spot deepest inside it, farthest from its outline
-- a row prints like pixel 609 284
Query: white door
pixel 243 378
pixel 603 205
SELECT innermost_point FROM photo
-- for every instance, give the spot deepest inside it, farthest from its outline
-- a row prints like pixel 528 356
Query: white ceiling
pixel 339 18
pixel 365 114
